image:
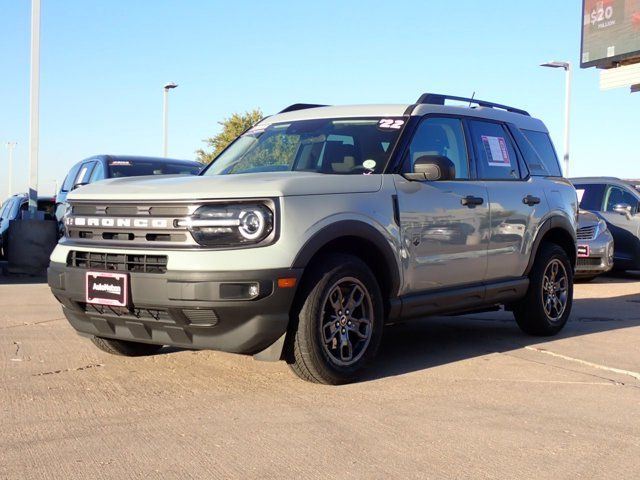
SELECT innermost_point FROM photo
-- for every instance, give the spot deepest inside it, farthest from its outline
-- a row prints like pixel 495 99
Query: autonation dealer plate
pixel 104 288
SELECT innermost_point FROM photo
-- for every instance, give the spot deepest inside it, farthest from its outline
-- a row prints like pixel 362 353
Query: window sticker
pixel 369 164
pixel 580 193
pixel 390 123
pixel 496 150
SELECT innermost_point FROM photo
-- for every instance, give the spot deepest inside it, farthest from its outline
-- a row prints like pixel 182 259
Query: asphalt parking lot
pixel 465 397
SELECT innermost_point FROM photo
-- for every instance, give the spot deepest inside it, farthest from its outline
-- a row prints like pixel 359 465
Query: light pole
pixel 165 117
pixel 567 107
pixel 34 114
pixel 10 147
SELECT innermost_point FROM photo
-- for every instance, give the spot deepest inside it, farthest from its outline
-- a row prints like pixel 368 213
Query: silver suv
pixel 319 226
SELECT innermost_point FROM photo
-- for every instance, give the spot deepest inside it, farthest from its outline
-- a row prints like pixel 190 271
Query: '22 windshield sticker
pixel 391 123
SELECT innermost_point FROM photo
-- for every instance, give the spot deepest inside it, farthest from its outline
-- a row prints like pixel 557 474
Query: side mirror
pixel 623 209
pixel 432 168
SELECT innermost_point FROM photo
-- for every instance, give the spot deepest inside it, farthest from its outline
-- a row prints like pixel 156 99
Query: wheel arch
pixel 361 240
pixel 560 231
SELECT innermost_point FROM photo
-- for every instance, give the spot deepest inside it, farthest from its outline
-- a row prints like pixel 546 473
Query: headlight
pixel 600 228
pixel 68 210
pixel 229 225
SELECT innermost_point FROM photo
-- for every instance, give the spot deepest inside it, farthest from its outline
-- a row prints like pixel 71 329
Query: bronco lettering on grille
pixel 119 222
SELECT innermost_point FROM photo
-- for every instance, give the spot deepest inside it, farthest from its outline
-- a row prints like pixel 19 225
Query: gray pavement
pixel 465 397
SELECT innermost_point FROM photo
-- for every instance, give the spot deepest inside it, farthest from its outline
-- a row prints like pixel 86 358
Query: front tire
pixel 340 321
pixel 547 305
pixel 125 348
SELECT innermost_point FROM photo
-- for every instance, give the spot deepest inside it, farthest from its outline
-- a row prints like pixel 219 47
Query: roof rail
pixel 300 106
pixel 438 99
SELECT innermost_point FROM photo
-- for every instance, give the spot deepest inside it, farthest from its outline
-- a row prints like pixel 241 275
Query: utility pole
pixel 165 117
pixel 566 66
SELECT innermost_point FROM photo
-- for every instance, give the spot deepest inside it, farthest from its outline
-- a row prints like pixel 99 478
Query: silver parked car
pixel 595 247
pixel 618 203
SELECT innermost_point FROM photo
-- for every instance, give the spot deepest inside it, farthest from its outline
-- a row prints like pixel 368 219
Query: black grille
pixel 130 314
pixel 131 210
pixel 588 262
pixel 119 262
pixel 586 233
pixel 183 318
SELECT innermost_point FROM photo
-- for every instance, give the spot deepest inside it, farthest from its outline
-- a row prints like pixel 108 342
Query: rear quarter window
pixel 543 146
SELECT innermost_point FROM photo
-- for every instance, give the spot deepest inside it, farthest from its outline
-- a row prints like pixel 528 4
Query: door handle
pixel 471 201
pixel 531 200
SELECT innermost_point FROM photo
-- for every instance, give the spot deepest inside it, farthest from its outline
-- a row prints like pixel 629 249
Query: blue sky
pixel 103 65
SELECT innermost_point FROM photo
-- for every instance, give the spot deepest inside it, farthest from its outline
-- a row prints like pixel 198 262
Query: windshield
pixel 127 168
pixel 337 146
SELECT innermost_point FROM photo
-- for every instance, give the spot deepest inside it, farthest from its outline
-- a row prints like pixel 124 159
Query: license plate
pixel 105 288
pixel 583 251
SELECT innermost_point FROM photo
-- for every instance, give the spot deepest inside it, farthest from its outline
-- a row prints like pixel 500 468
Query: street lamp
pixel 165 116
pixel 10 147
pixel 567 107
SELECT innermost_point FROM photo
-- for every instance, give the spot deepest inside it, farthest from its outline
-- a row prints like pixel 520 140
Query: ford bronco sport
pixel 318 226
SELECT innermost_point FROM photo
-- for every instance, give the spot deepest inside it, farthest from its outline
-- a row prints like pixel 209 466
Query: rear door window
pixel 542 145
pixel 496 157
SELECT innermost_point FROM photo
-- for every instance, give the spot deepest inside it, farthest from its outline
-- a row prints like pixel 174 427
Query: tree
pixel 232 128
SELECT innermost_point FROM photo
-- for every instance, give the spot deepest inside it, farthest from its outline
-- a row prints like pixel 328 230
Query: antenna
pixel 471 99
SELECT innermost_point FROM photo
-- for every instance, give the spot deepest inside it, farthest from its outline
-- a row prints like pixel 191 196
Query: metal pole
pixel 165 121
pixel 34 115
pixel 10 147
pixel 567 117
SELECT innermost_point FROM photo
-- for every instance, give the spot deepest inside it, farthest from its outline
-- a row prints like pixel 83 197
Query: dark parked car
pixel 100 167
pixel 618 202
pixel 10 210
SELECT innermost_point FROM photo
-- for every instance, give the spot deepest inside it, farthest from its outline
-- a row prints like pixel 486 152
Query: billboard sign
pixel 610 32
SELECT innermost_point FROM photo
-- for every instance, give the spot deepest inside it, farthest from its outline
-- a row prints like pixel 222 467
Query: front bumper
pixel 182 309
pixel 600 259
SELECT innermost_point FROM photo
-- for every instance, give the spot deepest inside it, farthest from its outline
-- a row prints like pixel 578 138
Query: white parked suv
pixel 320 225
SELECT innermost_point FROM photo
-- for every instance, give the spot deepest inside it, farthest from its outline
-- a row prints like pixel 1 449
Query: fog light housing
pixel 239 291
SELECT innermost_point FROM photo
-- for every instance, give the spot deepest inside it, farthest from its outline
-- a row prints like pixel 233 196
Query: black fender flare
pixel 351 228
pixel 555 222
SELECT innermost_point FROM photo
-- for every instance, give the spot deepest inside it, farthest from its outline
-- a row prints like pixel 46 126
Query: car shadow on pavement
pixel 6 279
pixel 435 341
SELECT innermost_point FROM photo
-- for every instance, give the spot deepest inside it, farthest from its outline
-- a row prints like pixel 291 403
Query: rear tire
pixel 339 323
pixel 125 348
pixel 547 305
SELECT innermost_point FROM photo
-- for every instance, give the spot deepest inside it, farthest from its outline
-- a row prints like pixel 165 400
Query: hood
pixel 246 185
pixel 587 219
